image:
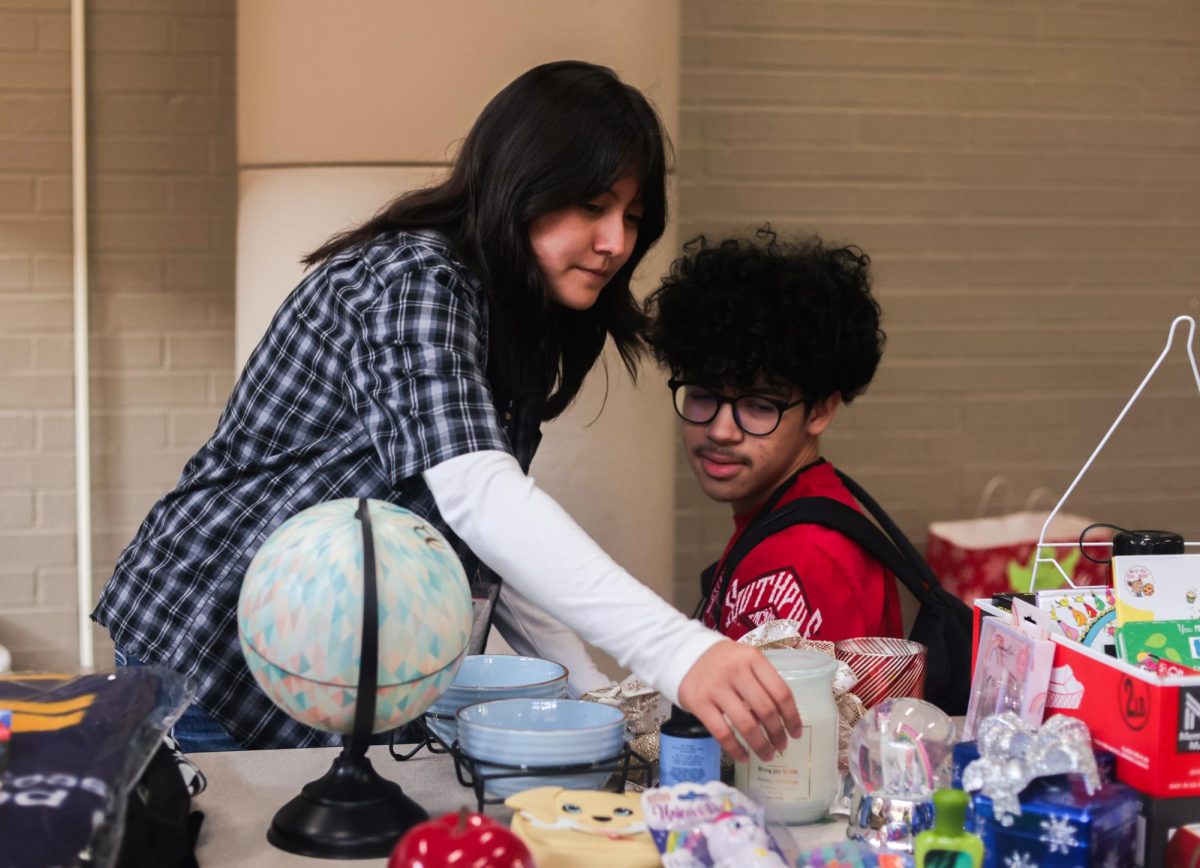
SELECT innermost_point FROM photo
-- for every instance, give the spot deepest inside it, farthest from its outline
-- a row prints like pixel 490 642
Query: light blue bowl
pixel 486 677
pixel 538 733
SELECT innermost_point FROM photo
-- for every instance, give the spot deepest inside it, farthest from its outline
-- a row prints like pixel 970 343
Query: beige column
pixel 343 105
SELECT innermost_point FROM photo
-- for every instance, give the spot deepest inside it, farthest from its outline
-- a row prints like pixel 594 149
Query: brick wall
pixel 1026 177
pixel 37 541
pixel 162 206
pixel 1026 180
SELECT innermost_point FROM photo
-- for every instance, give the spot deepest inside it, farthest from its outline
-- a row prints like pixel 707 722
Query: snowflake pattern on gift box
pixel 1059 834
pixel 1019 860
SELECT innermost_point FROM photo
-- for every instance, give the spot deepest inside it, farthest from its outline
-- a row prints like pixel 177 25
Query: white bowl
pixel 485 677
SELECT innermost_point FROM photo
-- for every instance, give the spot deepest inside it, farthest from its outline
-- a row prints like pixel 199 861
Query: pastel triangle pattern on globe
pixel 300 614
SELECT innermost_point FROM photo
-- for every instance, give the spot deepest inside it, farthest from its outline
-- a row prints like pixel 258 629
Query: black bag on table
pixel 160 826
pixel 943 623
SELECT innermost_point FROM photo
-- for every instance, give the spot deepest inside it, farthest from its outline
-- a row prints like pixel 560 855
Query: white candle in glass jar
pixel 800 784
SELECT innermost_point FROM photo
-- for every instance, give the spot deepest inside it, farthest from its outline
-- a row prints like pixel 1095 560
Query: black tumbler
pixel 1147 542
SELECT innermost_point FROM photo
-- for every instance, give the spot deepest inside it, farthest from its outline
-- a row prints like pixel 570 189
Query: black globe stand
pixel 351 812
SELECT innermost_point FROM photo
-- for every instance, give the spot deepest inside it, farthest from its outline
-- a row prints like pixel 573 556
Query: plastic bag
pixel 79 744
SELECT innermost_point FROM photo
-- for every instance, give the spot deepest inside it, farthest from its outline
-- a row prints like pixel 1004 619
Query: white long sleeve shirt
pixel 522 534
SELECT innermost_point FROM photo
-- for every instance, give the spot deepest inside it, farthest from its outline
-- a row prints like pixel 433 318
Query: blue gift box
pixel 1061 826
pixel 967 751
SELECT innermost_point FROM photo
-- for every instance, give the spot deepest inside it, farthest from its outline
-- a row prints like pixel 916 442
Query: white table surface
pixel 246 788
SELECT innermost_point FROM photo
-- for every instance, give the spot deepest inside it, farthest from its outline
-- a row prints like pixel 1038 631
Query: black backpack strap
pixel 829 513
pixel 762 526
pixel 943 622
pixel 709 574
pixel 918 563
pixel 852 524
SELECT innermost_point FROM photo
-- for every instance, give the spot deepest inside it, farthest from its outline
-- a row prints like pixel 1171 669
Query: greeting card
pixel 1163 647
pixel 1012 673
pixel 1157 587
pixel 1086 615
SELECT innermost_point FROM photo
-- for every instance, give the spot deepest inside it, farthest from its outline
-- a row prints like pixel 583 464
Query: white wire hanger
pixel 1042 559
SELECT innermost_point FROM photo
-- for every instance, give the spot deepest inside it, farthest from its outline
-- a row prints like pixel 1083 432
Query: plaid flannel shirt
pixel 372 371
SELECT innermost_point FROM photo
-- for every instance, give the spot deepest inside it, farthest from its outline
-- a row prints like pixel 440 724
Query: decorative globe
pixel 902 747
pixel 300 614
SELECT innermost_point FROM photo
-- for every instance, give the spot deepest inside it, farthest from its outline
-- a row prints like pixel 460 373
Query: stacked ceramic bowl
pixel 541 734
pixel 485 677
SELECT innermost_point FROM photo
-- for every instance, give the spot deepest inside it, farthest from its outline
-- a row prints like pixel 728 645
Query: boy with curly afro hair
pixel 765 341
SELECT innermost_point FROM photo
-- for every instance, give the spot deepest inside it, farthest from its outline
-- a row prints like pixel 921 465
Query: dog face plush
pixel 573 824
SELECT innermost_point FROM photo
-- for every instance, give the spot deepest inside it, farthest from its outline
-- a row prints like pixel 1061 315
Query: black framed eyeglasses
pixel 756 415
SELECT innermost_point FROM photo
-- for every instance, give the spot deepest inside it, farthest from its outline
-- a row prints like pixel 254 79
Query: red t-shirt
pixel 810 574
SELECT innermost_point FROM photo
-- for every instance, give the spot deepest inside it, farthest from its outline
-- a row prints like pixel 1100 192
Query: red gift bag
pixel 979 557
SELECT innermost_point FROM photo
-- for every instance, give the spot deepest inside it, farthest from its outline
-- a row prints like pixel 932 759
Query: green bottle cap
pixel 949 811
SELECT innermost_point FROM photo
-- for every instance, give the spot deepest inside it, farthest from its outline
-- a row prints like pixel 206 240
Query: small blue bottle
pixel 687 753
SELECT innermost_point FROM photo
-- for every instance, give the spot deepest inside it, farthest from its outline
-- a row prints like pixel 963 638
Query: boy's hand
pixel 735 684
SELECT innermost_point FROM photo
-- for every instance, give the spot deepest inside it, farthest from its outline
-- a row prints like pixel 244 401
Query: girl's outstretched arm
pixel 525 536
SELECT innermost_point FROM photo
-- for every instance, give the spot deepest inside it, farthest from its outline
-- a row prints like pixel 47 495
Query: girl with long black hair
pixel 415 363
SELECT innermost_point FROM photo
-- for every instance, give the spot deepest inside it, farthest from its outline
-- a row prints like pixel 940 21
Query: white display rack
pixel 1040 557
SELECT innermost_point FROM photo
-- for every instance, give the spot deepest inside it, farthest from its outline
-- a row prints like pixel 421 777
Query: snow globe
pixel 900 752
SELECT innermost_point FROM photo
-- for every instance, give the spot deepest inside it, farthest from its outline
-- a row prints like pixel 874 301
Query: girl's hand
pixel 735 684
